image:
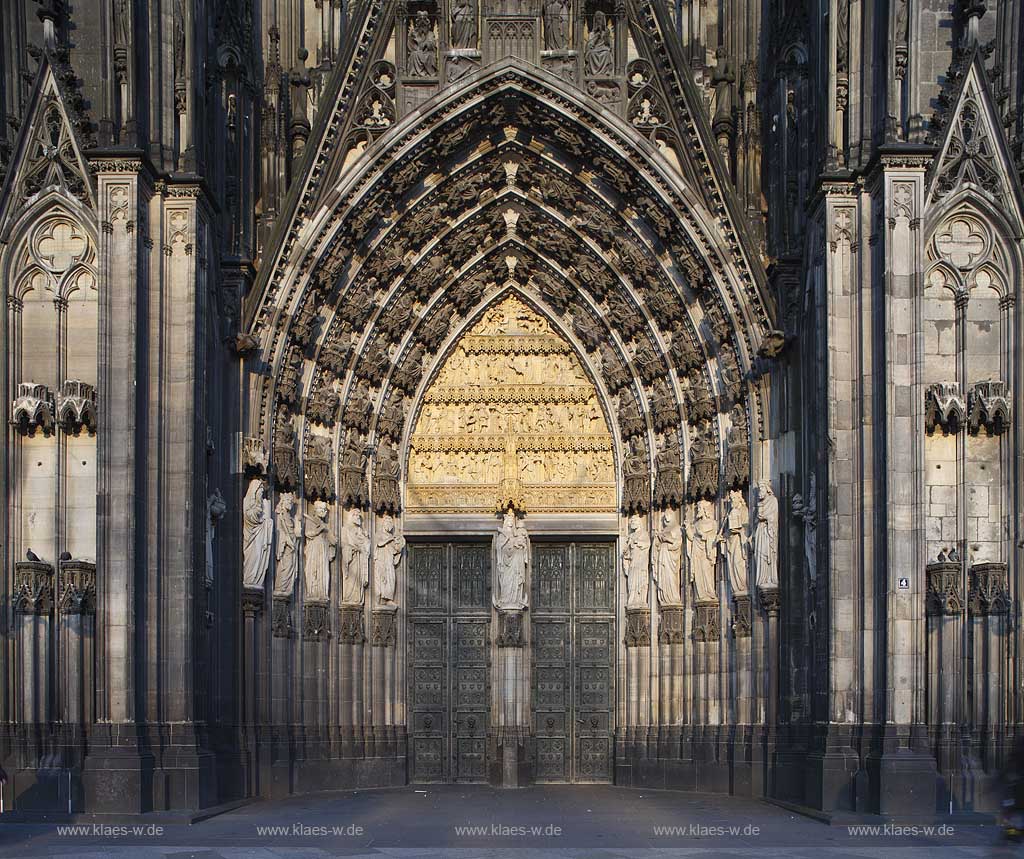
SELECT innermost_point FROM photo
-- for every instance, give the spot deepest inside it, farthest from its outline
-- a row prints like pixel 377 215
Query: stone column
pixel 351 638
pixel 383 639
pixel 988 605
pixel 671 634
pixel 638 671
pixel 945 619
pixel 769 677
pixel 33 609
pixel 743 695
pixel 77 600
pixel 253 684
pixel 513 694
pixel 282 701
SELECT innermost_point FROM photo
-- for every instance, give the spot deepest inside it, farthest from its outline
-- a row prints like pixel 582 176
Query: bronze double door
pixel 572 659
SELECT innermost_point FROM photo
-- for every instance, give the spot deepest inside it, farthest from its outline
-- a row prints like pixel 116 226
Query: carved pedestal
pixel 351 642
pixel 383 638
pixel 988 605
pixel 77 602
pixel 33 609
pixel 511 695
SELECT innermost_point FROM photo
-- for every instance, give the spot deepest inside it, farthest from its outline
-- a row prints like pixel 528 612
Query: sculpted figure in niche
pixel 766 537
pixel 422 47
pixel 512 559
pixel 463 24
pixel 289 529
pixel 216 507
pixel 668 550
pixel 737 543
pixel 257 531
pixel 321 546
pixel 556 25
pixel 386 558
pixel 702 550
pixel 807 512
pixel 636 562
pixel 599 59
pixel 355 560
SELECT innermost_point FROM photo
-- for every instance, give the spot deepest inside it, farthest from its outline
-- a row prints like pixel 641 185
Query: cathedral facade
pixel 510 391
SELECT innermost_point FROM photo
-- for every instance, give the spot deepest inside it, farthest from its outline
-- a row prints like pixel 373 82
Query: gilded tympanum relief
pixel 511 418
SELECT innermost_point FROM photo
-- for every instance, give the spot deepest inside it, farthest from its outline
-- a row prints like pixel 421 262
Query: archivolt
pixel 511 181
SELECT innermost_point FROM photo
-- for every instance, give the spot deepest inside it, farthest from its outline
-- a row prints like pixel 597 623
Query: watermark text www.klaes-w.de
pixel 303 830
pixel 502 830
pixel 698 830
pixel 108 830
pixel 895 830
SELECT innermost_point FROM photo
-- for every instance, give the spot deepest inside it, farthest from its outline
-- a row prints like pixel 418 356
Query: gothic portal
pixel 510 391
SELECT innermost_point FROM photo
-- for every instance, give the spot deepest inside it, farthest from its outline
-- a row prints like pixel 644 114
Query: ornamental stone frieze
pixel 988 406
pixel 318 477
pixel 945 591
pixel 638 628
pixel 737 450
pixel 988 593
pixel 316 621
pixel 281 618
pixel 33 587
pixel 350 625
pixel 741 617
pixel 705 621
pixel 668 474
pixel 703 479
pixel 510 629
pixel 286 459
pixel 76 407
pixel 383 629
pixel 944 408
pixel 511 413
pixel 33 409
pixel 671 626
pixel 77 586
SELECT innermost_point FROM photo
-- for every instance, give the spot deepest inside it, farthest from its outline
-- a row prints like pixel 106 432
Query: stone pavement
pixel 478 822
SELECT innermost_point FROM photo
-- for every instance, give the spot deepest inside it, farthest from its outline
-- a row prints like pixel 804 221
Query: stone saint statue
pixel 257 531
pixel 216 507
pixel 766 538
pixel 321 547
pixel 386 558
pixel 289 529
pixel 463 24
pixel 735 536
pixel 668 550
pixel 599 59
pixel 636 558
pixel 512 559
pixel 355 560
pixel 422 47
pixel 556 25
pixel 807 512
pixel 702 550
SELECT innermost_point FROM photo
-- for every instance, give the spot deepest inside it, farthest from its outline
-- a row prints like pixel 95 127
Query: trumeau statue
pixel 807 512
pixel 635 563
pixel 257 531
pixel 668 549
pixel 766 538
pixel 556 25
pixel 289 529
pixel 512 559
pixel 216 507
pixel 355 560
pixel 702 550
pixel 321 546
pixel 737 543
pixel 422 47
pixel 600 60
pixel 386 558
